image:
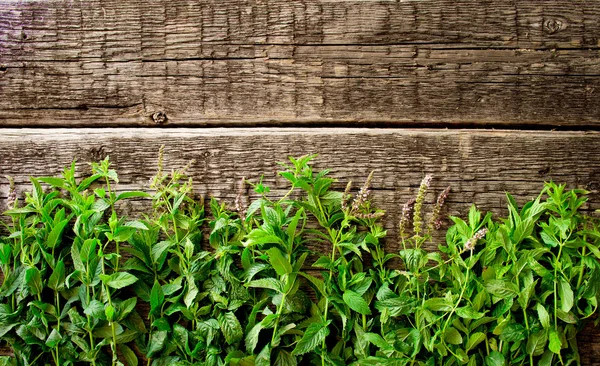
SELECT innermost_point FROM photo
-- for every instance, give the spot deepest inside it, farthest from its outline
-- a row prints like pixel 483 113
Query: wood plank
pixel 480 165
pixel 279 62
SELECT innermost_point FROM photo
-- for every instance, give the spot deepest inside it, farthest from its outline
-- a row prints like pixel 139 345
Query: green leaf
pixel 132 194
pixel 555 343
pixel 281 265
pixel 100 205
pixel 474 340
pixel 88 249
pixel 118 280
pixel 57 279
pixel 259 237
pixel 15 280
pixel 566 317
pixel 159 249
pixel 123 233
pixel 439 304
pixel 128 354
pixel 316 282
pixel 513 332
pixel 231 328
pixel 54 236
pixel 127 336
pixel 87 181
pixel 33 279
pixel 109 311
pixel 546 359
pixel 247 259
pixel 126 307
pixel 291 229
pixel 157 297
pixel 523 230
pixel 270 283
pixel 192 292
pixel 566 295
pixel 53 181
pixel 474 217
pixel 264 357
pixel 501 288
pixel 95 309
pixel 543 315
pixel 136 224
pixel 252 338
pixel 495 359
pixel 536 343
pixel 157 342
pixel 467 312
pixel 323 262
pixel 285 358
pixel 53 338
pixel 5 253
pixel 356 302
pixel 452 336
pixel 313 337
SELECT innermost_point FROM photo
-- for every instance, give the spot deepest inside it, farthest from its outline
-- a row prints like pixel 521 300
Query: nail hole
pixel 159 117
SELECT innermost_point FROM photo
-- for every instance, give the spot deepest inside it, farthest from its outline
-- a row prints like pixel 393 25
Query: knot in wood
pixel 553 25
pixel 159 117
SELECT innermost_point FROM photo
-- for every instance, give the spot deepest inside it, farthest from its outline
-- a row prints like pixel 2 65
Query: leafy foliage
pixel 234 288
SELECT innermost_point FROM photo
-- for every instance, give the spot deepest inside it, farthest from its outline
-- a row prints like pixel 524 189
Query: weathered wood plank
pixel 480 165
pixel 438 62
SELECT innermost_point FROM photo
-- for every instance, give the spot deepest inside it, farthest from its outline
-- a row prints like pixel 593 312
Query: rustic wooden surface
pixel 480 165
pixel 296 62
pixel 527 64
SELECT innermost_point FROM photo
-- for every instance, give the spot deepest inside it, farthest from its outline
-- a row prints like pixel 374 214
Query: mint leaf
pixel 118 280
pixel 356 302
pixel 231 328
pixel 270 283
pixel 313 337
pixel 281 265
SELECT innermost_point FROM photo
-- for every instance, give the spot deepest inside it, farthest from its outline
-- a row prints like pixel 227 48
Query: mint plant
pixel 235 287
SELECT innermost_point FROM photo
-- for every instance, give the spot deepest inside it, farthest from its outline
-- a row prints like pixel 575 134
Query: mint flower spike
pixel 435 222
pixel 417 217
pixel 240 205
pixel 362 195
pixel 346 196
pixel 407 210
pixel 470 244
pixel 12 192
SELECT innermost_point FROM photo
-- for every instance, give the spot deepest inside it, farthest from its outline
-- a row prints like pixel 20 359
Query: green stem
pixel 526 322
pixel 555 286
pixel 57 326
pixel 279 312
pixel 328 286
pixel 583 252
pixel 88 320
pixel 462 292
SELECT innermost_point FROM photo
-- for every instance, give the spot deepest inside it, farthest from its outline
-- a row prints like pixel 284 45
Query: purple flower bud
pixel 470 244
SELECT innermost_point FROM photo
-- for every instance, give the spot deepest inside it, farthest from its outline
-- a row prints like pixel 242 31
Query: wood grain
pixel 294 63
pixel 479 164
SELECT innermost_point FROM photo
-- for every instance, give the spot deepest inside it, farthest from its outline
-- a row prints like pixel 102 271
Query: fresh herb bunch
pixel 64 295
pixel 235 288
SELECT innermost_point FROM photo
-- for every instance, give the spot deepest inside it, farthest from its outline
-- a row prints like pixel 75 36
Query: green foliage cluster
pixel 248 285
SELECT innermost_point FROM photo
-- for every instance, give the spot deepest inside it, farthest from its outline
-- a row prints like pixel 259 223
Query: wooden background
pixel 487 95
